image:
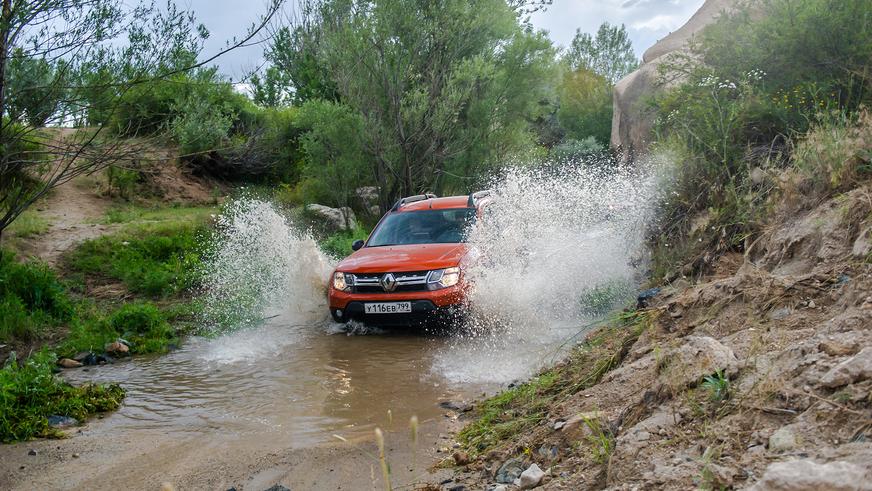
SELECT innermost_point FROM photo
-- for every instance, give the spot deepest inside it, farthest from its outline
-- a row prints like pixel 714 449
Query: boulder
pixel 632 120
pixel 863 245
pixel 59 422
pixel 531 477
pixel 117 348
pixel 68 363
pixel 334 218
pixel 806 475
pixel 782 440
pixel 509 471
pixel 700 356
pixel 854 369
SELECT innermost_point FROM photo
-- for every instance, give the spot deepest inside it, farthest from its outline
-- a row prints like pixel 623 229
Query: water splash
pixel 557 247
pixel 259 265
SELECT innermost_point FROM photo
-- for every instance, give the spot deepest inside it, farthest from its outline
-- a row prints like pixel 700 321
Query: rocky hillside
pixel 758 375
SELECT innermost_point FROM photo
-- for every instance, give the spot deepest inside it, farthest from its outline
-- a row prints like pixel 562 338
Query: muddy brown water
pixel 295 384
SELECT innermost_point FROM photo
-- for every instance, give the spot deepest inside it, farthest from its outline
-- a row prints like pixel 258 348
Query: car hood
pixel 400 258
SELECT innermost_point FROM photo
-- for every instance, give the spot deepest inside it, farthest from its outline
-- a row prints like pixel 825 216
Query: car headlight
pixel 443 278
pixel 342 281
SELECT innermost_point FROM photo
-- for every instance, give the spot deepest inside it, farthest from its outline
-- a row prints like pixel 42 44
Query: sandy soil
pixel 72 211
pixel 220 463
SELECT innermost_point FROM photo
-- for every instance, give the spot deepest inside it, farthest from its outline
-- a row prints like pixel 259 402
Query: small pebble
pixel 75 456
pixel 31 452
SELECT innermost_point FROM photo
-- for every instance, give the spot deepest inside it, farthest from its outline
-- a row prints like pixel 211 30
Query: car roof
pixel 437 203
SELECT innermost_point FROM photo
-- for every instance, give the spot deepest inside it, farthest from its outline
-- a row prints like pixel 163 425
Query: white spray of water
pixel 556 247
pixel 261 266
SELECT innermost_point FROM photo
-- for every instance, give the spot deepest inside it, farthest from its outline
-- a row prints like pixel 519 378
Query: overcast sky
pixel 646 21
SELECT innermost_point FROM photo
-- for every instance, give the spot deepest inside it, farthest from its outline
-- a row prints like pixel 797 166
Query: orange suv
pixel 408 272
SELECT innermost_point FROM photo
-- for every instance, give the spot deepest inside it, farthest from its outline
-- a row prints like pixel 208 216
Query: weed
pixel 31 299
pixel 28 224
pixel 718 386
pixel 601 440
pixel 29 393
pixel 144 325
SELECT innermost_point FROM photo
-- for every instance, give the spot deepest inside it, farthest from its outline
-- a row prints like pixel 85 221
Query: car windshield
pixel 423 227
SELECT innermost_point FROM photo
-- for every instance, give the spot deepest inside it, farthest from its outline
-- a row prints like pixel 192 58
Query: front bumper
pixel 437 305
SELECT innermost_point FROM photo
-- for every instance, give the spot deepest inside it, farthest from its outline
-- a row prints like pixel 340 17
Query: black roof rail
pixel 475 196
pixel 411 199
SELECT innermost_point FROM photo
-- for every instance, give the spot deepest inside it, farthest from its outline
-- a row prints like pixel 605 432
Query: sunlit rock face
pixel 632 121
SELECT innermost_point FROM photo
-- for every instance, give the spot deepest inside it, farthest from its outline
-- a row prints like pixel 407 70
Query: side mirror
pixel 357 244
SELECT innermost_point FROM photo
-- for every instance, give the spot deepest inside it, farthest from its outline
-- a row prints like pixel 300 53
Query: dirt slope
pixel 73 211
pixel 789 324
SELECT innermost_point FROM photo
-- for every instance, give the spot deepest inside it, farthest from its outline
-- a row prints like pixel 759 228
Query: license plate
pixel 388 308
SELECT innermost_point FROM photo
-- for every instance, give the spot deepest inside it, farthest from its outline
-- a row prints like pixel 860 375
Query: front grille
pixel 415 281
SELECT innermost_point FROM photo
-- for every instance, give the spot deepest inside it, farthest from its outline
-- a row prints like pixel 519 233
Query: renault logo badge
pixel 388 282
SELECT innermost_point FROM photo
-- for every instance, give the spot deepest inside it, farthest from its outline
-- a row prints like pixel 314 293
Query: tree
pixel 442 89
pixel 58 43
pixel 609 54
pixel 586 106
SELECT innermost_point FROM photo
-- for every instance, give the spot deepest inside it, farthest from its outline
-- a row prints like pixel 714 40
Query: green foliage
pixel 28 224
pixel 31 298
pixel 837 153
pixel 601 440
pixel 576 150
pixel 738 108
pixel 144 326
pixel 156 260
pixel 122 181
pixel 35 88
pixel 338 245
pixel 335 158
pixel 200 127
pixel 609 54
pixel 442 90
pixel 29 393
pixel 717 385
pixel 586 106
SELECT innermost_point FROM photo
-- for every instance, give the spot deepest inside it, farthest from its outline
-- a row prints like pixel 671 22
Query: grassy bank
pixel 134 285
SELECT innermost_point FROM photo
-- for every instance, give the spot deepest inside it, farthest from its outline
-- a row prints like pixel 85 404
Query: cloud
pixel 661 22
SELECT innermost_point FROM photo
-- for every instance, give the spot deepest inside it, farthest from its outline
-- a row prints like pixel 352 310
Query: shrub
pixel 31 297
pixel 338 245
pixel 576 150
pixel 29 393
pixel 144 325
pixel 836 154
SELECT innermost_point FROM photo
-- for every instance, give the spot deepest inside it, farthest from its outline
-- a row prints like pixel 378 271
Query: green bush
pixel 29 394
pixel 739 108
pixel 31 298
pixel 144 325
pixel 575 150
pixel 338 245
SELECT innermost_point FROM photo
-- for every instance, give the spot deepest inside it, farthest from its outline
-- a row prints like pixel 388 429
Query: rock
pixel 779 314
pixel 75 456
pixel 531 477
pixel 782 440
pixel 31 452
pixel 335 218
pixel 461 458
pixel 500 487
pixel 559 425
pixel 68 363
pixel 758 176
pixel 806 475
pixel 698 357
pixel 863 245
pixel 82 355
pixel 632 119
pixel 459 406
pixel 117 348
pixel 835 347
pixel 90 359
pixel 509 471
pixel 577 427
pixel 58 422
pixel 277 487
pixel 645 296
pixel 854 369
